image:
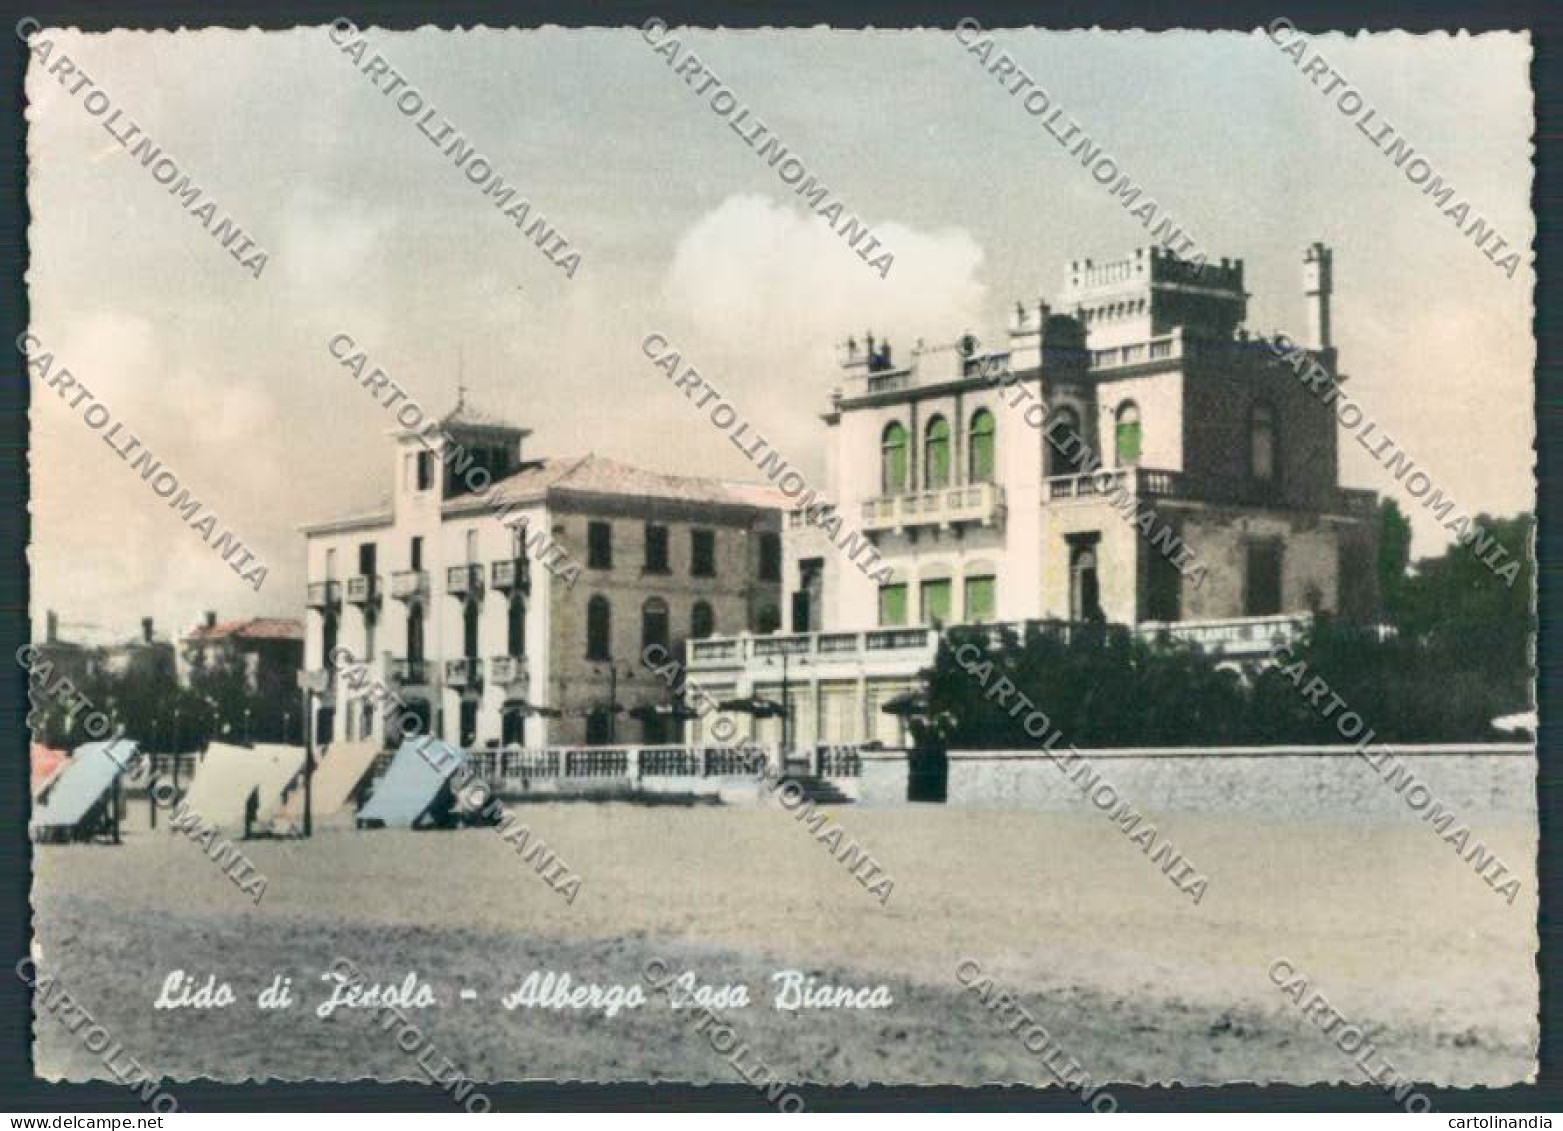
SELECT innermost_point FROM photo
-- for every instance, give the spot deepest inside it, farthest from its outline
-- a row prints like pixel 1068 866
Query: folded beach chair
pixel 78 802
pixel 340 770
pixel 229 776
pixel 415 789
pixel 46 763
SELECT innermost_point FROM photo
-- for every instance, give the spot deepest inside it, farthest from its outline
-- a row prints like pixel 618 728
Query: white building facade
pixel 518 613
pixel 1132 456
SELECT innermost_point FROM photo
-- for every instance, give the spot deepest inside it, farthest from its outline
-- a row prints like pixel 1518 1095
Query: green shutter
pixel 936 602
pixel 938 453
pixel 1129 443
pixel 980 599
pixel 982 447
pixel 892 605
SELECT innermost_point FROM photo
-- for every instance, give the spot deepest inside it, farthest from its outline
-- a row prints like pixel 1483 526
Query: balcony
pixel 1160 483
pixel 323 595
pixel 410 585
pixel 916 644
pixel 464 581
pixel 511 575
pixel 509 671
pixel 407 672
pixel 364 589
pixel 466 672
pixel 981 503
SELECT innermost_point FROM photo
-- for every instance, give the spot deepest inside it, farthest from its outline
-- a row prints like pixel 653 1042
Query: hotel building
pixel 456 599
pixel 977 501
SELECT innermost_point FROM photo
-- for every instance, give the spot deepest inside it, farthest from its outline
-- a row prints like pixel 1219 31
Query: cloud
pixel 759 293
pixel 753 273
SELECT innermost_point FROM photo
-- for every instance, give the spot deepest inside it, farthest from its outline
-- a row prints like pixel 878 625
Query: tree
pixel 1394 551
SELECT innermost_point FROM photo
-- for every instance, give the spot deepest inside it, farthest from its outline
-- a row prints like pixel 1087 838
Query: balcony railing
pixel 1162 483
pixel 410 671
pixel 363 589
pixel 464 581
pixel 508 671
pixel 821 647
pixel 323 594
pixel 510 575
pixel 464 672
pixel 977 502
pixel 410 585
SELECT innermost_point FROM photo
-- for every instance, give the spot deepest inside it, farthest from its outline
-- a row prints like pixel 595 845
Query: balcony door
pixel 1085 591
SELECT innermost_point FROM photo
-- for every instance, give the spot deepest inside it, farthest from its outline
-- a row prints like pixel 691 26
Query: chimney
pixel 51 631
pixel 211 618
pixel 146 630
pixel 1318 285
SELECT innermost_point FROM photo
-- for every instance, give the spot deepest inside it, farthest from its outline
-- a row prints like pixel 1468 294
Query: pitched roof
pixel 250 628
pixel 599 475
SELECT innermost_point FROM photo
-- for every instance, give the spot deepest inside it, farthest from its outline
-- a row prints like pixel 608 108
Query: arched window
pixel 654 624
pixel 1261 442
pixel 1127 435
pixel 1065 444
pixel 598 624
pixel 892 459
pixel 702 621
pixel 936 453
pixel 979 449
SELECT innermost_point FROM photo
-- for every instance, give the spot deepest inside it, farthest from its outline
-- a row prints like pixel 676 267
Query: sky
pixel 372 232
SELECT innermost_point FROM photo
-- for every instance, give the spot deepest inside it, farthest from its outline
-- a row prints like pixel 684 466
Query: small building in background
pixel 270 649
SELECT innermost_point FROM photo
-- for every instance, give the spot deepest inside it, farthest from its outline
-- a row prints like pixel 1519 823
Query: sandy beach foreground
pixel 1138 983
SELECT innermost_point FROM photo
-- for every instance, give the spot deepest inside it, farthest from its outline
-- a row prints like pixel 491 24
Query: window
pixel 512 728
pixel 979 451
pixel 599 727
pixel 366 556
pixel 1127 436
pixel 892 459
pixel 654 624
pixel 936 601
pixel 330 565
pixel 808 599
pixel 415 553
pixel 770 557
pixel 702 553
pixel 1262 581
pixel 365 721
pixel 515 634
pixel 1085 595
pixel 656 548
pixel 425 470
pixel 702 621
pixel 892 605
pixel 1261 443
pixel 981 599
pixel 768 619
pixel 936 453
pixel 1163 588
pixel 1065 444
pixel 469 723
pixel 415 634
pixel 598 624
pixel 599 545
pixel 469 630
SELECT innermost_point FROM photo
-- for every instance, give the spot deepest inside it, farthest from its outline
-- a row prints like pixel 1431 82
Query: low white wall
pixel 883 779
pixel 1290 781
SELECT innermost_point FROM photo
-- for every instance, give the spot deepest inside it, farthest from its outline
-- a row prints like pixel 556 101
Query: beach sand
pixel 1129 977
